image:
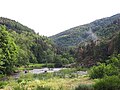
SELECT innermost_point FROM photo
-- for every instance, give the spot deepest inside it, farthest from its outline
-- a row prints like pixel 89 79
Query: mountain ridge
pixel 14 25
pixel 99 29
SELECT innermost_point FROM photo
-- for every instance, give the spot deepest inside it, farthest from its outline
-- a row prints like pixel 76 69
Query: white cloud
pixel 49 17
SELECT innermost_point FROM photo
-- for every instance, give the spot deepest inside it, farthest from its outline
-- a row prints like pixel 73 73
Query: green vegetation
pixel 37 66
pixel 34 66
pixel 108 83
pixel 13 25
pixel 21 46
pixel 112 67
pixel 103 70
pixel 8 52
pixel 85 87
pixel 102 29
pixel 47 81
pixel 93 48
pixel 88 55
pixel 109 74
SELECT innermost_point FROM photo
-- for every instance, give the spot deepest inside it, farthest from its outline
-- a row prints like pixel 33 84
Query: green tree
pixel 22 58
pixel 65 61
pixel 103 70
pixel 58 61
pixel 8 51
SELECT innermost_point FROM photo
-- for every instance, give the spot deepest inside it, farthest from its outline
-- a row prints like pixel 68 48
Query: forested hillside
pixel 90 54
pixel 102 29
pixel 13 25
pixel 93 42
pixel 29 46
pixel 21 46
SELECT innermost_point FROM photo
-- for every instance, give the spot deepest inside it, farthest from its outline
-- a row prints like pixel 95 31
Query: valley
pixel 86 57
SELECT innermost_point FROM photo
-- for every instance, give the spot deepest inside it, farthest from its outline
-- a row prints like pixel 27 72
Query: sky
pixel 49 17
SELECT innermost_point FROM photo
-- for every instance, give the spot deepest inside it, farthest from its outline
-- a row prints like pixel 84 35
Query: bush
pixel 78 68
pixel 50 65
pixel 1 76
pixel 19 88
pixel 103 70
pixel 27 77
pixel 97 71
pixel 43 76
pixel 84 87
pixel 108 83
pixel 2 84
pixel 42 88
pixel 111 70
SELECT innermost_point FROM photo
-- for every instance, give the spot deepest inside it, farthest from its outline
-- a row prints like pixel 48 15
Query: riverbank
pixel 65 79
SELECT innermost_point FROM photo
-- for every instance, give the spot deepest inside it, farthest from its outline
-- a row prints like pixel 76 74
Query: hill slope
pixel 32 48
pixel 101 29
pixel 13 25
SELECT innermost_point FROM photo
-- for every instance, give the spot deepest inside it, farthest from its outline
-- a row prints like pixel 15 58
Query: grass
pixel 38 66
pixel 34 66
pixel 52 83
pixel 84 87
pixel 65 83
pixel 22 68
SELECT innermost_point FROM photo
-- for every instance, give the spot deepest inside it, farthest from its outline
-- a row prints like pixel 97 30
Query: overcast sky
pixel 49 17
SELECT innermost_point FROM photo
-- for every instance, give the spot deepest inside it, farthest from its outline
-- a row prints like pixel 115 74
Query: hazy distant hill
pixel 102 29
pixel 13 25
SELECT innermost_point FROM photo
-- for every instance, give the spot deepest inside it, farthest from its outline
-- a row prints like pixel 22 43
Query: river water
pixel 44 70
pixel 38 71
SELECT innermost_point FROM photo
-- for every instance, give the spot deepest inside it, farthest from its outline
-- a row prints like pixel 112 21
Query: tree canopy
pixel 8 51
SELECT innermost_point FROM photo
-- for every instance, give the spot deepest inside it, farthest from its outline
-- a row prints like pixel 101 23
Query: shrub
pixel 27 76
pixel 111 70
pixel 103 70
pixel 108 83
pixel 97 71
pixel 42 88
pixel 50 65
pixel 43 76
pixel 19 88
pixel 84 87
pixel 81 68
pixel 2 84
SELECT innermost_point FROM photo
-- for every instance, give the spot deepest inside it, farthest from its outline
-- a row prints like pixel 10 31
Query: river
pixel 39 71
